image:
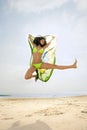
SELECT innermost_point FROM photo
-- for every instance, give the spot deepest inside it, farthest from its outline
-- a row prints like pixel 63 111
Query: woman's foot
pixel 36 78
pixel 75 64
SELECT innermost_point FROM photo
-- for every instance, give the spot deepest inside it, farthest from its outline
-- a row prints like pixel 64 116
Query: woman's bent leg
pixel 53 66
pixel 29 73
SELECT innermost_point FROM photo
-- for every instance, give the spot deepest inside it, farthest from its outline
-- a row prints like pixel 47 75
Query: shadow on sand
pixel 38 125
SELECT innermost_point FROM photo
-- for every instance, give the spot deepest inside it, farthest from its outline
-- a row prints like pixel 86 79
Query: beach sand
pixel 67 113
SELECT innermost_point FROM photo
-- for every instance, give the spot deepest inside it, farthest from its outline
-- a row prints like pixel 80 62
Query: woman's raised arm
pixel 49 42
pixel 30 38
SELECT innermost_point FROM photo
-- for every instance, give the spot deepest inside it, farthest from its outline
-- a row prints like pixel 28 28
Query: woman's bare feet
pixel 75 64
pixel 36 78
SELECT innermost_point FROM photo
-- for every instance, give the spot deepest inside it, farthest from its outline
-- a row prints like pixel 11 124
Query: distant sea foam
pixel 39 95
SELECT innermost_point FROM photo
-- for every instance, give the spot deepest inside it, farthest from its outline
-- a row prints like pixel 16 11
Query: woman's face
pixel 42 42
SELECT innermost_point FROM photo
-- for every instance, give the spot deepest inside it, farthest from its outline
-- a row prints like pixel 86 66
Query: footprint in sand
pixel 7 118
pixel 49 112
pixel 28 115
pixel 84 111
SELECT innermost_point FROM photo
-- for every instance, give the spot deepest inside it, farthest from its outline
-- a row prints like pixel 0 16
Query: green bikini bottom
pixel 37 66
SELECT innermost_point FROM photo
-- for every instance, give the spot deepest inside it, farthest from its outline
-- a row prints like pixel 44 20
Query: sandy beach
pixel 67 113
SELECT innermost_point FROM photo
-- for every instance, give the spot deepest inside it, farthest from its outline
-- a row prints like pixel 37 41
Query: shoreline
pixel 54 97
pixel 41 98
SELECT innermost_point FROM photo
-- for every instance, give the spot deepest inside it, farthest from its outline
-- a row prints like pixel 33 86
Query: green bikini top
pixel 40 51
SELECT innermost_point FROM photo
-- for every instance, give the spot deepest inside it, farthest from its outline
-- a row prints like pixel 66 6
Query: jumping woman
pixel 39 45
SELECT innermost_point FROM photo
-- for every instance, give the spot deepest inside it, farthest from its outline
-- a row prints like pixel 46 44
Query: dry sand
pixel 69 113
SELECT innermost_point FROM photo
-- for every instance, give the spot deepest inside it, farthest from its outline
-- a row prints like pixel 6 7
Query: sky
pixel 64 19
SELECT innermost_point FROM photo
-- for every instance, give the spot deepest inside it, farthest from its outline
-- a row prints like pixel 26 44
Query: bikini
pixel 38 65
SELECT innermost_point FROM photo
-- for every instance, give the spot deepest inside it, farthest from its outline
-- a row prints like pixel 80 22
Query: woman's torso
pixel 37 54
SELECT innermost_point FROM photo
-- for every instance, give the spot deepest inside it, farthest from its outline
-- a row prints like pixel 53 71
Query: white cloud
pixel 81 4
pixel 34 5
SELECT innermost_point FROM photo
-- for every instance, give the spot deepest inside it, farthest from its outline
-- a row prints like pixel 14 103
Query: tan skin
pixel 37 59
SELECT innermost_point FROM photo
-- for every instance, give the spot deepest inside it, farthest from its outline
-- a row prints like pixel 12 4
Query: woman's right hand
pixel 30 35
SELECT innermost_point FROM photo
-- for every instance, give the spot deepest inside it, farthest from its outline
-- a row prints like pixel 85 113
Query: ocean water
pixel 41 95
